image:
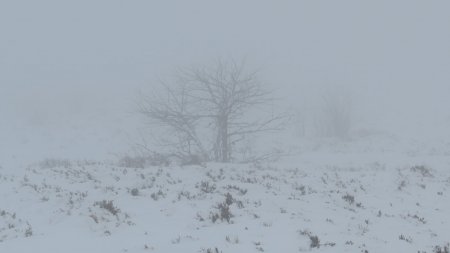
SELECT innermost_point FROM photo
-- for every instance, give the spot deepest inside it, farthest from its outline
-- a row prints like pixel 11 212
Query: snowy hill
pixel 333 204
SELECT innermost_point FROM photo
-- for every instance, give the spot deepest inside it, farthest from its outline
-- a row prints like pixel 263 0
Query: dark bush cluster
pixel 423 170
pixel 206 187
pixel 108 205
pixel 215 250
pixel 444 249
pixel 314 239
pixel 349 198
pixel 224 212
pixel 55 163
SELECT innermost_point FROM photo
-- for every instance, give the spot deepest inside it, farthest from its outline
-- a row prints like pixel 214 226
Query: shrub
pixel 405 238
pixel 314 239
pixel 439 249
pixel 54 163
pixel 108 205
pixel 134 192
pixel 215 250
pixel 225 213
pixel 133 162
pixel 349 198
pixel 315 242
pixel 423 170
pixel 28 232
pixel 224 210
pixel 157 195
pixel 206 187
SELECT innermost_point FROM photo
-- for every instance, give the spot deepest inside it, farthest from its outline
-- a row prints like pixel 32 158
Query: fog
pixel 70 72
pixel 130 126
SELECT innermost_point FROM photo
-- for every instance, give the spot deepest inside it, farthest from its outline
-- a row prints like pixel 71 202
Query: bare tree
pixel 334 118
pixel 207 109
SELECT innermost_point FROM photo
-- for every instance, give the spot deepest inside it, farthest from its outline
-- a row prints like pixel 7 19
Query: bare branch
pixel 216 99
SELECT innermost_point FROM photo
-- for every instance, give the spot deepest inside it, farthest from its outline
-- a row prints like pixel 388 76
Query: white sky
pixel 65 60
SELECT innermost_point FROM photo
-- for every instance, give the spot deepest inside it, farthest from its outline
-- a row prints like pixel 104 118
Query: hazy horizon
pixel 84 62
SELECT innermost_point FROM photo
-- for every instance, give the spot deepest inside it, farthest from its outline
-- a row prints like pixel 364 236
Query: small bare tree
pixel 334 118
pixel 207 110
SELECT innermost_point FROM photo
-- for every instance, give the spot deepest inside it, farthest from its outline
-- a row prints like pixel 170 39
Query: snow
pixel 352 202
pixel 72 76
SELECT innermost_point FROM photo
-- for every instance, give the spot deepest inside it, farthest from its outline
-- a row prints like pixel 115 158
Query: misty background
pixel 70 72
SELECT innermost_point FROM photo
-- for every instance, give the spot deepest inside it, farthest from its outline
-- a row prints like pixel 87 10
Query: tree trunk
pixel 225 146
pixel 222 147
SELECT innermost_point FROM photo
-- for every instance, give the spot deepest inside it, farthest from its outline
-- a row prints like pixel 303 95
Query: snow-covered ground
pixel 62 189
pixel 321 200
